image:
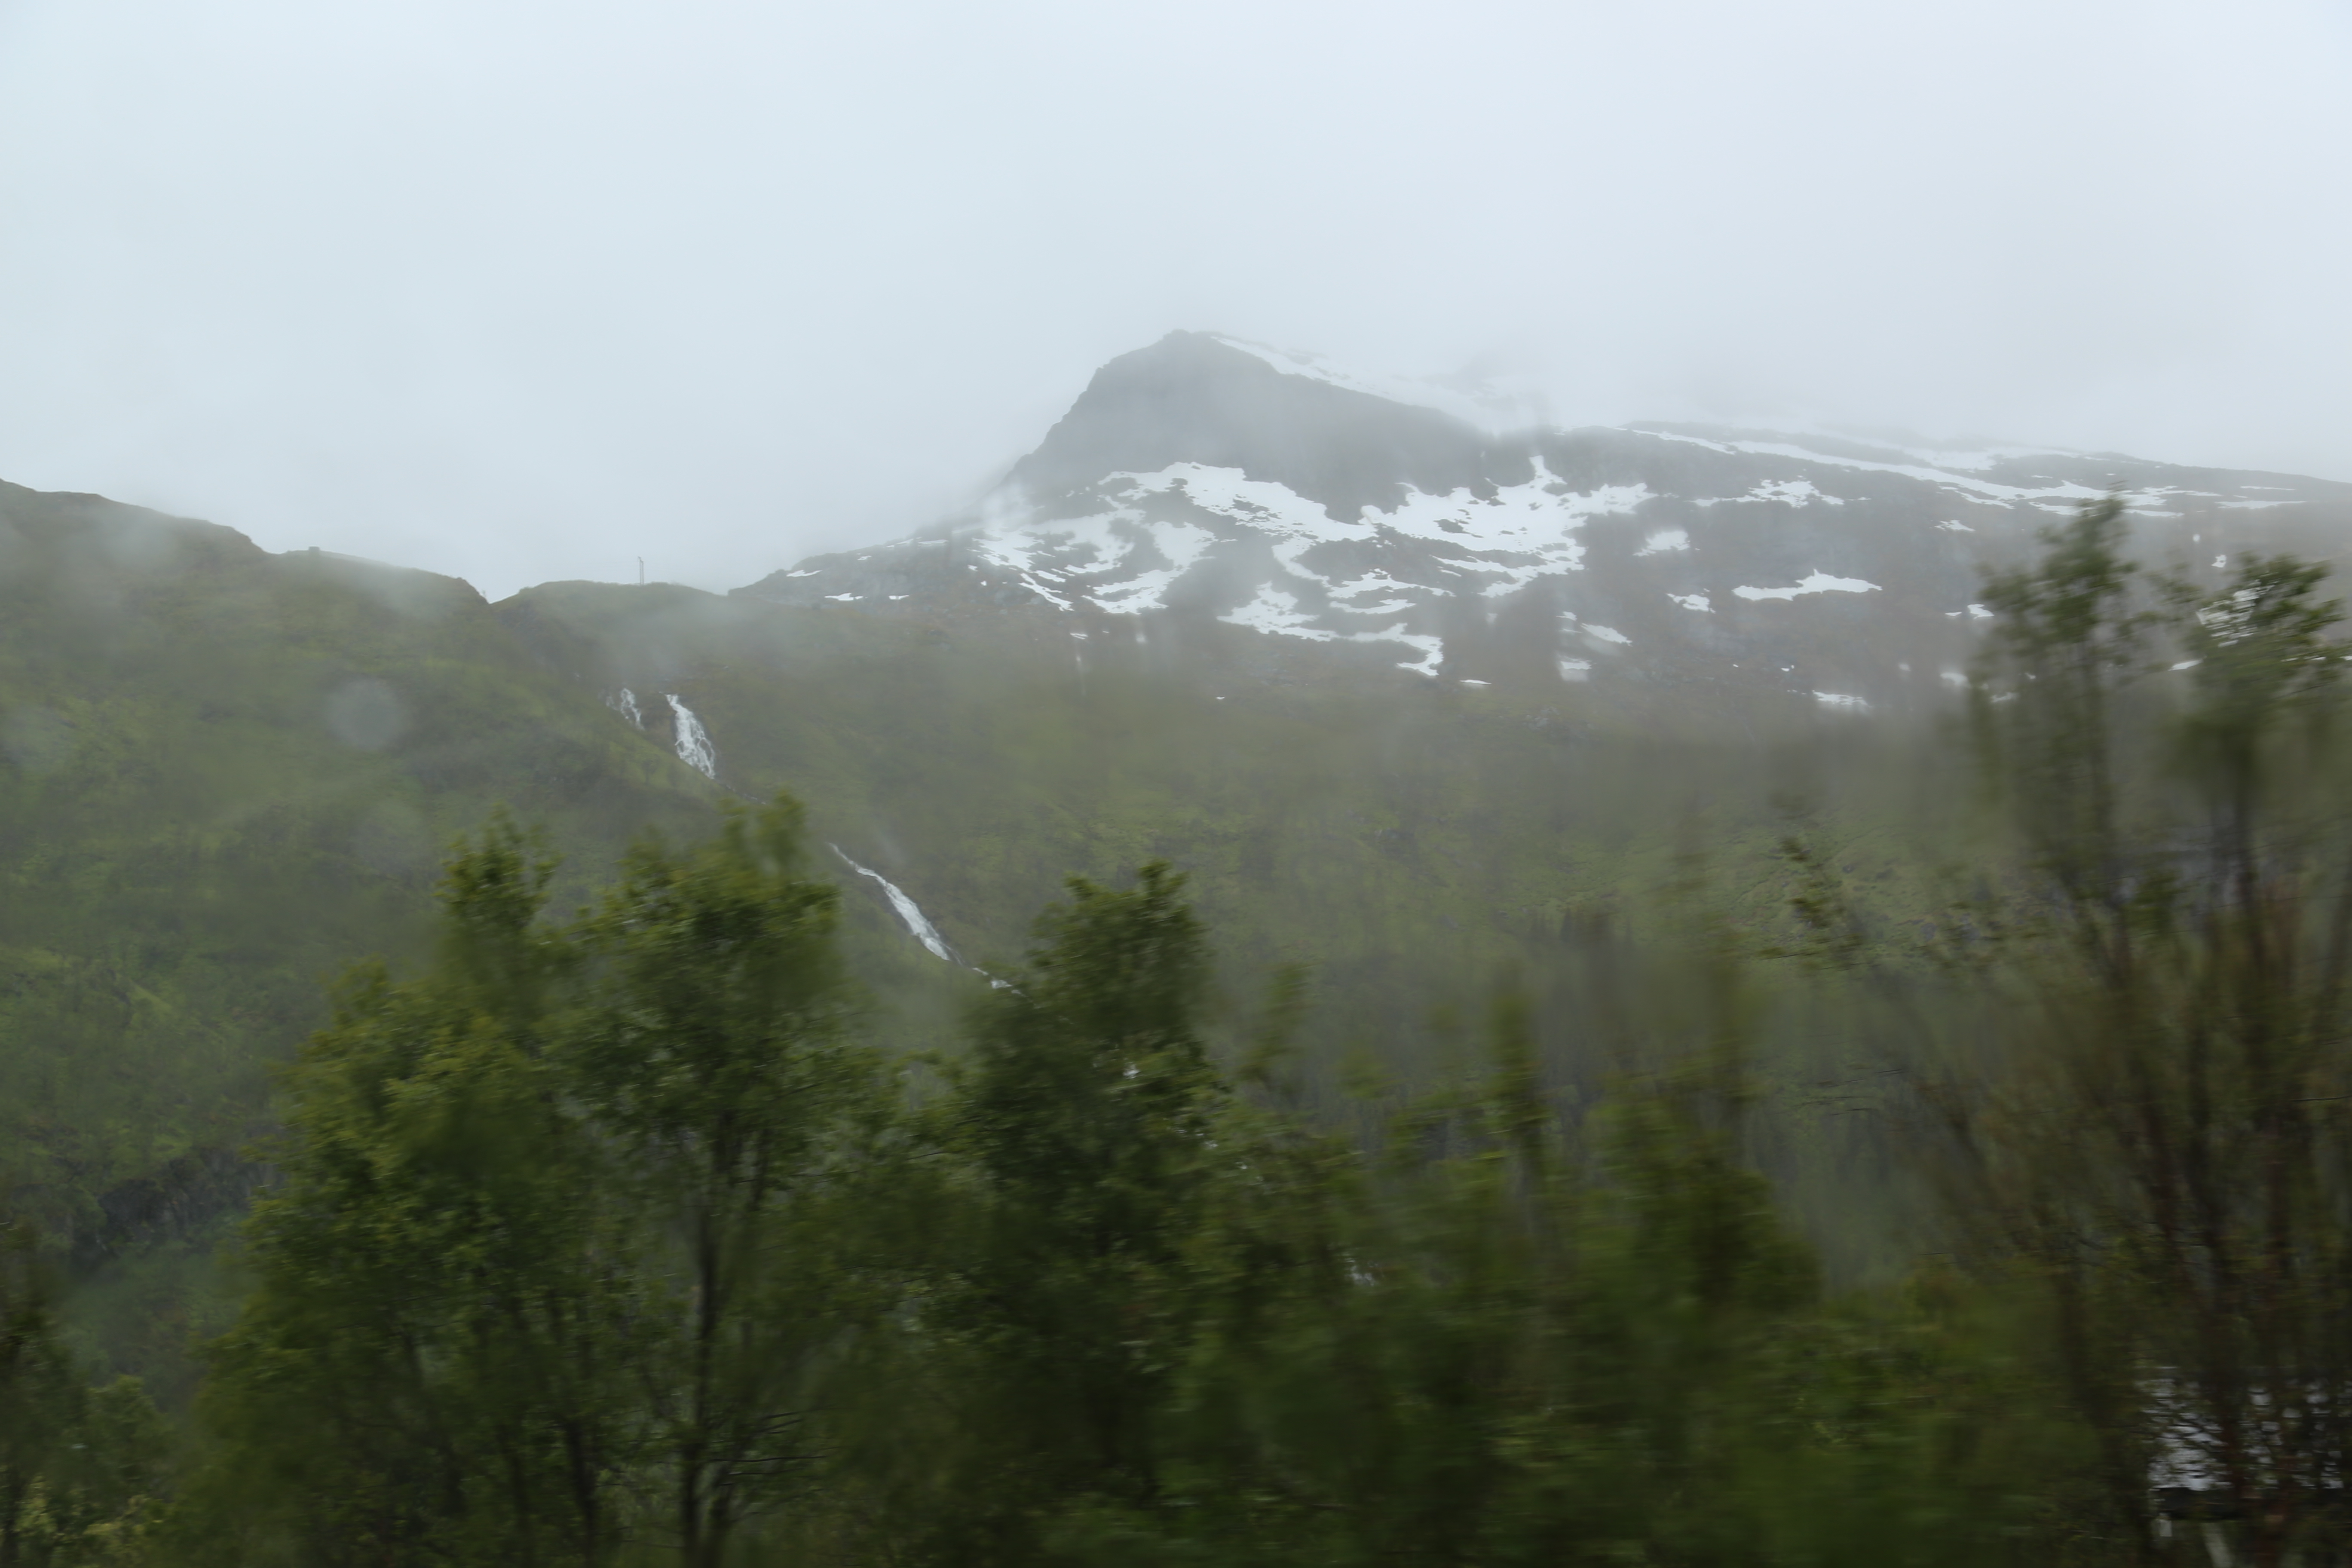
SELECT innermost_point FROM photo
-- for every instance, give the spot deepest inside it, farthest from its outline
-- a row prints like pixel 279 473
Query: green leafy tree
pixel 82 1470
pixel 1479 1344
pixel 718 1063
pixel 1083 1122
pixel 2159 1154
pixel 430 1363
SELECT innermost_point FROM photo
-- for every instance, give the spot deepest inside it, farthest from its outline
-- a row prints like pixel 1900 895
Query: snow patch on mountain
pixel 1786 493
pixel 1154 529
pixel 1817 582
pixel 1281 613
pixel 1979 490
pixel 1205 478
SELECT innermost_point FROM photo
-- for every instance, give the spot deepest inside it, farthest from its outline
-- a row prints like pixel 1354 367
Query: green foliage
pixel 431 1358
pixel 642 1236
pixel 1083 1126
pixel 80 1469
pixel 536 1283
pixel 2156 1152
pixel 714 1062
pixel 1178 1322
pixel 223 775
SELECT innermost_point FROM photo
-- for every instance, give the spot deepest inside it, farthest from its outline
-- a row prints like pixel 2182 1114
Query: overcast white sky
pixel 522 290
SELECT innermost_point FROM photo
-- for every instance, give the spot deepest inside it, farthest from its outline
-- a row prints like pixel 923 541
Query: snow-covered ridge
pixel 1957 471
pixel 2060 496
pixel 1207 477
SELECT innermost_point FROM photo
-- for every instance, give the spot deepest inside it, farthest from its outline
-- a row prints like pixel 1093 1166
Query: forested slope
pixel 1401 837
pixel 226 776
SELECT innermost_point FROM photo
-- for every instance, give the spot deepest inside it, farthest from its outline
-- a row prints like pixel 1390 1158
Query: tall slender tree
pixel 1083 1121
pixel 2165 1156
pixel 718 1062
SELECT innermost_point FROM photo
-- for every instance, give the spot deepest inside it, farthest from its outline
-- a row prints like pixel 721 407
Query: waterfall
pixel 693 740
pixel 624 703
pixel 918 923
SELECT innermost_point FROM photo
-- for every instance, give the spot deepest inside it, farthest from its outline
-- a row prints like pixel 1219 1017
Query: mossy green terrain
pixel 226 775
pixel 1386 829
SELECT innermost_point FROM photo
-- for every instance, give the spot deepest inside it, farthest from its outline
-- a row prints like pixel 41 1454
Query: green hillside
pixel 1404 836
pixel 229 774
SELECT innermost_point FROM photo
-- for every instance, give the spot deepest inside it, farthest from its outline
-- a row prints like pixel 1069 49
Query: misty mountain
pixel 1406 697
pixel 1199 482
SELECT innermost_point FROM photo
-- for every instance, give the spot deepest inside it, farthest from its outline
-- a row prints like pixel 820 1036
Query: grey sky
pixel 521 290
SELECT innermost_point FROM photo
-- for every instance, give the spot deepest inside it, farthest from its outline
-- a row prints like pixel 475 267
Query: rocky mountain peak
pixel 1198 397
pixel 1200 481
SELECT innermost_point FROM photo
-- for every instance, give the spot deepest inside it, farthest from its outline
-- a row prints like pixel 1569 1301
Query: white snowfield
pixel 1786 493
pixel 1950 469
pixel 1499 406
pixel 1158 527
pixel 1957 471
pixel 1819 583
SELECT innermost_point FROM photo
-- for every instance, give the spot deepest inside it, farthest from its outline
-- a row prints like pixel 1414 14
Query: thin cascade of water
pixel 694 747
pixel 624 703
pixel 918 923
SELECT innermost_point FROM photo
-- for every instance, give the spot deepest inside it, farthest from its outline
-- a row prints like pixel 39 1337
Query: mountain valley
pixel 1414 703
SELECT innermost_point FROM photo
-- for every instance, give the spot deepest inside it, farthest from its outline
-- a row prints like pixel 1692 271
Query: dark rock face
pixel 1194 398
pixel 182 1198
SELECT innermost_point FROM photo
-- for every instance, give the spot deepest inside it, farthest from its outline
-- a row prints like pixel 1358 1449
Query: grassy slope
pixel 223 775
pixel 1408 838
pixel 1416 843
